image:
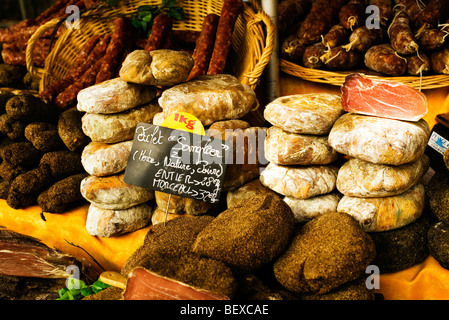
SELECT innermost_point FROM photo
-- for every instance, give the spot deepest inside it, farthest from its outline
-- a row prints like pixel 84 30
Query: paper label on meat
pixel 438 143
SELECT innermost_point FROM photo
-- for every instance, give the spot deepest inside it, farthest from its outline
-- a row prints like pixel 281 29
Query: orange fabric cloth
pixel 67 233
pixel 425 281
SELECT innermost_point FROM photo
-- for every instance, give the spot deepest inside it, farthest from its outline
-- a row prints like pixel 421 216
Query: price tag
pixel 177 162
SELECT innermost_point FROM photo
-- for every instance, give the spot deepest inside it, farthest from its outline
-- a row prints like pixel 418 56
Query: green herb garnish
pixel 146 14
pixel 76 289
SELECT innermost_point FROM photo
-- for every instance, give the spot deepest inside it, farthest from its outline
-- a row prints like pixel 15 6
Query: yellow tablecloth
pixel 67 232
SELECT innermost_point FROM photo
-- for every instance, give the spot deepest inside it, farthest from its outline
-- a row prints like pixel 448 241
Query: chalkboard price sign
pixel 177 162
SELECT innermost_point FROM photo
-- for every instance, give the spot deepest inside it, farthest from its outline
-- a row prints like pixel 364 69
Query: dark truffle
pixel 21 154
pixel 44 136
pixel 70 130
pixel 437 191
pixel 327 252
pixel 12 128
pixel 353 290
pixel 438 237
pixel 249 234
pixel 402 248
pixel 28 108
pixel 110 293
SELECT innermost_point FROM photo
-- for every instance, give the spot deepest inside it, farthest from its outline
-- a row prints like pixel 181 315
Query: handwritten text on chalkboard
pixel 177 162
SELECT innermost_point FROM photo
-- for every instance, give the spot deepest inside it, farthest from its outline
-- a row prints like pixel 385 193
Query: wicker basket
pixel 252 39
pixel 338 78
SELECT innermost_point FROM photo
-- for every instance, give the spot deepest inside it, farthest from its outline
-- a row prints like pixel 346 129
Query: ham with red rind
pixel 382 98
pixel 143 284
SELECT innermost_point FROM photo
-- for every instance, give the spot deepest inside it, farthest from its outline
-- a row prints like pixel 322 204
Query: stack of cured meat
pixel 385 142
pixel 301 160
pixel 14 39
pixel 112 110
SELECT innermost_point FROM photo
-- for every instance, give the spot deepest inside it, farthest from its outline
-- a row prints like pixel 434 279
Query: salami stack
pixel 301 162
pixel 380 181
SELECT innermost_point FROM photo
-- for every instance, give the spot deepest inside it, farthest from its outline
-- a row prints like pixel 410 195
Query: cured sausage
pixel 339 58
pixel 162 25
pixel 336 35
pixel 228 17
pixel 114 51
pixel 401 36
pixel 382 98
pixel 385 10
pixel 185 39
pixel 67 98
pixel 440 61
pixel 382 58
pixel 363 38
pixel 289 12
pixel 321 17
pixel 418 64
pixel 351 15
pixel 204 46
pixel 411 7
pixel 312 54
pixel 51 11
pixel 49 93
pixel 432 14
pixel 292 48
pixel 431 39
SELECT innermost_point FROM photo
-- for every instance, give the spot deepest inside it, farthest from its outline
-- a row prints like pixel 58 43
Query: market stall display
pixel 323 165
pixel 400 40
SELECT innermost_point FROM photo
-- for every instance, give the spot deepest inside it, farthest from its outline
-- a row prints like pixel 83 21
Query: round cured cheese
pixel 379 140
pixel 385 213
pixel 308 209
pixel 299 182
pixel 359 178
pixel 285 148
pixel 313 113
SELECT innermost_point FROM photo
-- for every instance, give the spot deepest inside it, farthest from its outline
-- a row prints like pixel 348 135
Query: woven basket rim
pixel 259 41
pixel 338 78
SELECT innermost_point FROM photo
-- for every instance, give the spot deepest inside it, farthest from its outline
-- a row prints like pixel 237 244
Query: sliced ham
pixel 145 285
pixel 382 98
pixel 24 256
